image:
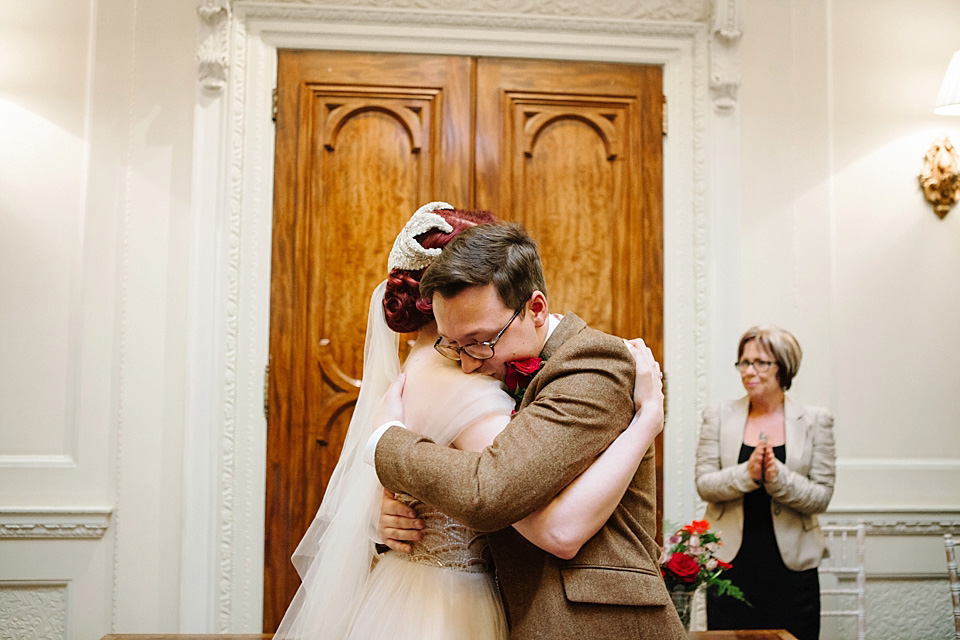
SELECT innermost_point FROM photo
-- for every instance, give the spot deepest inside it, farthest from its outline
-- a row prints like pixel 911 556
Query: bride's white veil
pixel 334 558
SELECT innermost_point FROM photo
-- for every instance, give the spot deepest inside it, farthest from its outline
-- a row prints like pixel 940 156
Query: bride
pixel 445 589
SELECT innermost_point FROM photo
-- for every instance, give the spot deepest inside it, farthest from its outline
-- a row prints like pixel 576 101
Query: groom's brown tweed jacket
pixel 573 409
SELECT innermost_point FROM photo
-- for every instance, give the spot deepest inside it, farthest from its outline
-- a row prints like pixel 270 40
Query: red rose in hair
pixel 683 567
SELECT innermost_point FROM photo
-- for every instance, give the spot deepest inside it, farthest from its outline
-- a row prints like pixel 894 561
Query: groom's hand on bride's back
pixel 398 524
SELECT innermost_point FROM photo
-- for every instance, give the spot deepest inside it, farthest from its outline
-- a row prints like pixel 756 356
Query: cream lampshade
pixel 940 178
pixel 948 100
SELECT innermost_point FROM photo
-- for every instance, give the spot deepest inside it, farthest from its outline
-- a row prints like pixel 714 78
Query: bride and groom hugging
pixel 563 481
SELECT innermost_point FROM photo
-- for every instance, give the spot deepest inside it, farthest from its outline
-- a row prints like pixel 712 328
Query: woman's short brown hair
pixel 782 345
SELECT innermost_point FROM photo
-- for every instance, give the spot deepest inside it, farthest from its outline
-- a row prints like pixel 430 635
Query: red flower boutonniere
pixel 519 374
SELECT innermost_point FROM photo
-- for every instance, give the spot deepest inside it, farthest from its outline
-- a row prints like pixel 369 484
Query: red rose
pixel 724 565
pixel 683 567
pixel 519 373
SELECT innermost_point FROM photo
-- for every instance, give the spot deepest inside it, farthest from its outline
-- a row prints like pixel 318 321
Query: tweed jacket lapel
pixel 570 325
pixel 732 425
pixel 795 428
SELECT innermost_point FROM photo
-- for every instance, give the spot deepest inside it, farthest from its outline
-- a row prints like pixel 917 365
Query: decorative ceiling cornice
pixel 615 17
pixel 212 58
pixel 662 10
pixel 724 53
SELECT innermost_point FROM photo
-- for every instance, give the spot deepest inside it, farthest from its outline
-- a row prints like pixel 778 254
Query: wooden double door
pixel 572 150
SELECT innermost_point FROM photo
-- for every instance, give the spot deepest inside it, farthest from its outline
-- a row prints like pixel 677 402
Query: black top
pixel 757 521
pixel 781 598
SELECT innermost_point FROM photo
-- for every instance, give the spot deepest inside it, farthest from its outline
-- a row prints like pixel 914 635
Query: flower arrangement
pixel 688 561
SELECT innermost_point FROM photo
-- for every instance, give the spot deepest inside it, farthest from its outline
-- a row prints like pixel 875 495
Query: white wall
pixel 837 241
pixel 839 246
pixel 96 100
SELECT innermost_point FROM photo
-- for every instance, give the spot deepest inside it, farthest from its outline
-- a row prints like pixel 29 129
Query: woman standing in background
pixel 765 466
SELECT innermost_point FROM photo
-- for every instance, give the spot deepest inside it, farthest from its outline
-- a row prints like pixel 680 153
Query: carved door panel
pixel 362 141
pixel 365 139
pixel 573 151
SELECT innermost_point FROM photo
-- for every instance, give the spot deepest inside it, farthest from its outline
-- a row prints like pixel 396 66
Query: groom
pixel 487 290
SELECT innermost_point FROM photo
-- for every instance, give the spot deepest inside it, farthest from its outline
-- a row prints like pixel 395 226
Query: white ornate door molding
pixel 231 223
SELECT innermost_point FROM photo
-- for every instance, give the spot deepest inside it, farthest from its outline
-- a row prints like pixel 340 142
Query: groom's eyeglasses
pixel 476 350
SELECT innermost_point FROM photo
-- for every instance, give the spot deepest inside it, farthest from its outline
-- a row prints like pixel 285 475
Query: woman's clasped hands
pixel 762 464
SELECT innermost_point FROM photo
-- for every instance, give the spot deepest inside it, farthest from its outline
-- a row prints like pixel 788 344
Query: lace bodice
pixel 445 542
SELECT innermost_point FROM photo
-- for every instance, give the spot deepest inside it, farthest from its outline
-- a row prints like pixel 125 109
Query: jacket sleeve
pixel 811 493
pixel 583 400
pixel 714 483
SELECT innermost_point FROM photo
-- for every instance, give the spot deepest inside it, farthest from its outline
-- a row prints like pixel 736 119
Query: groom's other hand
pixel 398 524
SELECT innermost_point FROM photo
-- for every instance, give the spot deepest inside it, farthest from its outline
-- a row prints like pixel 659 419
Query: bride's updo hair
pixel 403 307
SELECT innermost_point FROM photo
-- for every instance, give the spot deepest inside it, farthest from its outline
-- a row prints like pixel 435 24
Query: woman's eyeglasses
pixel 760 366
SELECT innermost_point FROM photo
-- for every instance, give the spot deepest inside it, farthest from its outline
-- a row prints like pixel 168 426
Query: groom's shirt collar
pixel 553 321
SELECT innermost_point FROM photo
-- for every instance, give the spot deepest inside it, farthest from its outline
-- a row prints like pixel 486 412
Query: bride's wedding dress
pixel 445 589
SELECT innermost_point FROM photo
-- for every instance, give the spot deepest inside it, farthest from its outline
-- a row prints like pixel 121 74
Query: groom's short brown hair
pixel 500 254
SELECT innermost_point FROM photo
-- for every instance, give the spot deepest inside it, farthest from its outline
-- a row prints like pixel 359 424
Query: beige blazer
pixel 803 487
pixel 573 409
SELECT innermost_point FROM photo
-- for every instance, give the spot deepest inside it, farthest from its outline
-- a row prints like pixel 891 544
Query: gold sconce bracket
pixel 940 178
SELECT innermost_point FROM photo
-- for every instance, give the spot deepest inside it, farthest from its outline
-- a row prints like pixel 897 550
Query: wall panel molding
pixel 33 611
pixel 38 461
pixel 897 522
pixel 900 464
pixel 908 608
pixel 54 523
pixel 889 484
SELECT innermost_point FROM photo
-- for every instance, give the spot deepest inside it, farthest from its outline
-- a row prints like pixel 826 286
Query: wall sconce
pixel 940 178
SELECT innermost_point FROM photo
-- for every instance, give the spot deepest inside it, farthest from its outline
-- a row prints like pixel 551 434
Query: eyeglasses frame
pixel 767 364
pixel 488 343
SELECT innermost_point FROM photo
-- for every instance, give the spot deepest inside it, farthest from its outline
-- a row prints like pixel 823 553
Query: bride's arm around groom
pixel 572 410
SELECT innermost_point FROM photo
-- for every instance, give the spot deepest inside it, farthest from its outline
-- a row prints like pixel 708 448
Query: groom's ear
pixel 538 308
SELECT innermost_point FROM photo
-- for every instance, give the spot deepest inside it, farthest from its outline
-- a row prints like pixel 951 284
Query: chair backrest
pixel 949 543
pixel 846 545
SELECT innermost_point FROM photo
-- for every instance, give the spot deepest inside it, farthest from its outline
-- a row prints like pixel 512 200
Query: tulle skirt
pixel 407 600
